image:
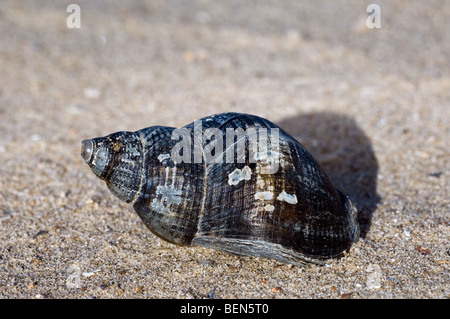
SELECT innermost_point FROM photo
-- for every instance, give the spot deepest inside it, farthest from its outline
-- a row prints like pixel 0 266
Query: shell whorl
pixel 267 202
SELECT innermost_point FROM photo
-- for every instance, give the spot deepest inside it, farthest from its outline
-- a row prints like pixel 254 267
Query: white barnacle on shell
pixel 166 195
pixel 266 195
pixel 239 175
pixel 162 157
pixel 288 198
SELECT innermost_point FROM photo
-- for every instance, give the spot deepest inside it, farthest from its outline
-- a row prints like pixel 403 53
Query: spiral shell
pixel 232 182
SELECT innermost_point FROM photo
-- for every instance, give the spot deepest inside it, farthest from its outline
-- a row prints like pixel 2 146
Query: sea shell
pixel 233 182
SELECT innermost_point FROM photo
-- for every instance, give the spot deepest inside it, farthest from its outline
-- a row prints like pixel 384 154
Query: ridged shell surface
pixel 271 201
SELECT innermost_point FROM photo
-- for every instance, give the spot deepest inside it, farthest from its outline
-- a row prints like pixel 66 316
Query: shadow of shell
pixel 346 155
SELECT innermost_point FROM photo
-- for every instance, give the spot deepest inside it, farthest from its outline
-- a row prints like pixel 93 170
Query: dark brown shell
pixel 277 204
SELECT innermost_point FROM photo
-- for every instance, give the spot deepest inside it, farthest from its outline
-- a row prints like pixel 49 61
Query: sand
pixel 372 105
